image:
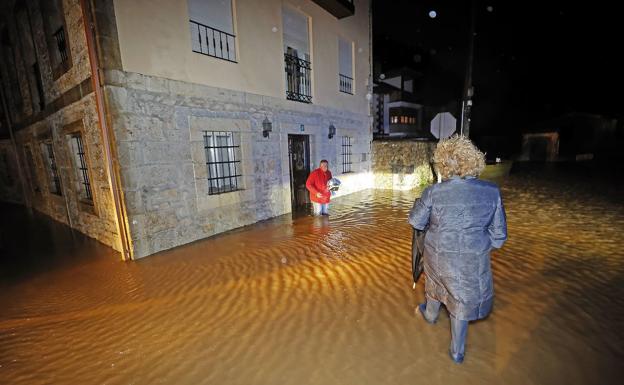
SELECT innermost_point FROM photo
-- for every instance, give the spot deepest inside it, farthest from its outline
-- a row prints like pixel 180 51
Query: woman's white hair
pixel 458 156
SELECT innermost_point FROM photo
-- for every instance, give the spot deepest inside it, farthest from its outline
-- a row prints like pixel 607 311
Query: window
pixel 346 154
pixel 32 171
pixel 212 28
pixel 36 73
pixel 55 180
pixel 223 162
pixel 297 56
pixel 29 55
pixel 403 119
pixel 56 36
pixel 345 66
pixel 9 62
pixel 81 164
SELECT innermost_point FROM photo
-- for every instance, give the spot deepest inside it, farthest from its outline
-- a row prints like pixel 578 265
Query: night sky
pixel 532 60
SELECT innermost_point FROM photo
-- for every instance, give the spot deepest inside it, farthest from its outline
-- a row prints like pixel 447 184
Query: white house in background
pixel 218 109
pixel 397 111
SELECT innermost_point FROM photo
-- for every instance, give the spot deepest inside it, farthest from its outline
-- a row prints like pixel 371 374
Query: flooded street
pixel 322 300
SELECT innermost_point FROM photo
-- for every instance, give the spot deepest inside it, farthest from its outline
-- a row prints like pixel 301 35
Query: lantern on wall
pixel 332 131
pixel 267 127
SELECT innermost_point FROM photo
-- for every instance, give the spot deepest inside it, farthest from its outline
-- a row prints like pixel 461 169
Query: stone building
pixel 151 124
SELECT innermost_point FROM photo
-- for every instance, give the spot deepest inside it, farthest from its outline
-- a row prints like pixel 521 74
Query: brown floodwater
pixel 320 300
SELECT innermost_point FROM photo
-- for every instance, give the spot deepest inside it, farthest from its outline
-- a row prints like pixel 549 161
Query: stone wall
pixel 10 186
pixel 402 164
pixel 159 126
pixel 96 220
pixel 69 108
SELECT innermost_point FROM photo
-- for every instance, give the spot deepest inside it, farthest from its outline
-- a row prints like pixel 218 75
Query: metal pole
pixel 468 81
pixel 461 124
pixel 107 138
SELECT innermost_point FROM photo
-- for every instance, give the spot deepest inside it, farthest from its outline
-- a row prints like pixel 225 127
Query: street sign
pixel 443 125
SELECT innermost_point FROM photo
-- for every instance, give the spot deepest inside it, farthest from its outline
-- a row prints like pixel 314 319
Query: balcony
pixel 213 42
pixel 339 8
pixel 346 84
pixel 298 79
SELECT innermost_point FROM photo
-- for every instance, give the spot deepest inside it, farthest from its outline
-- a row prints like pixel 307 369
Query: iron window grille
pixel 61 45
pixel 55 187
pixel 223 162
pixel 31 169
pixel 346 84
pixel 346 154
pixel 82 167
pixel 298 79
pixel 213 42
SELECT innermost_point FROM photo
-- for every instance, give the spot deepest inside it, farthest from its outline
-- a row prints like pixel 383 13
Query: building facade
pixel 216 110
pixel 397 111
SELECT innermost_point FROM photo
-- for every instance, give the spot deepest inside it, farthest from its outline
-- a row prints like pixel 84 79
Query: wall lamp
pixel 267 127
pixel 332 131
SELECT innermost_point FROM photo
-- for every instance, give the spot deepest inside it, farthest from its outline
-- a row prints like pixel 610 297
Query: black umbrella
pixel 418 250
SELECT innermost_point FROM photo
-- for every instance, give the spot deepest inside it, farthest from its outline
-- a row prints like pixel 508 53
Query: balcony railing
pixel 346 84
pixel 213 42
pixel 298 79
pixel 61 45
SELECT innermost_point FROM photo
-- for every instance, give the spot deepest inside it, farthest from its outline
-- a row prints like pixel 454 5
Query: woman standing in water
pixel 466 220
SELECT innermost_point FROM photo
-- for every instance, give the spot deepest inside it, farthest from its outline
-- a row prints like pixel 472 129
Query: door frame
pixel 306 144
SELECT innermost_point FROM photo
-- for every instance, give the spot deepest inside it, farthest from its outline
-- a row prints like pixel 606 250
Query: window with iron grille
pixel 212 28
pixel 223 162
pixel 55 180
pixel 61 45
pixel 55 31
pixel 297 59
pixel 81 164
pixel 32 171
pixel 346 154
pixel 345 66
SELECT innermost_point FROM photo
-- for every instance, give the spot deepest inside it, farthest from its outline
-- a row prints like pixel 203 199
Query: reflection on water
pixel 322 301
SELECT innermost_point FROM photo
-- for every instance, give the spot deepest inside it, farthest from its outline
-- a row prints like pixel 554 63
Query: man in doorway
pixel 319 192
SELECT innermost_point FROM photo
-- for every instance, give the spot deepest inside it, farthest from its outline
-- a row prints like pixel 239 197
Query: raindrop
pixel 433 14
pixel 284 260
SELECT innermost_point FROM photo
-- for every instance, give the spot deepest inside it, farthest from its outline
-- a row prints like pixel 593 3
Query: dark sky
pixel 532 60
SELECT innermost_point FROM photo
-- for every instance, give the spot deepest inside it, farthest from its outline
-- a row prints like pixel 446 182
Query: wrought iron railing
pixel 298 79
pixel 84 170
pixel 55 187
pixel 213 42
pixel 61 45
pixel 346 84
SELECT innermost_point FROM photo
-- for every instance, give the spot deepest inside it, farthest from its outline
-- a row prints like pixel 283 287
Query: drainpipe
pixel 107 138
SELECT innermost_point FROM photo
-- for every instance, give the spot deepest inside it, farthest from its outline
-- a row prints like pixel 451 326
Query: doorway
pixel 299 162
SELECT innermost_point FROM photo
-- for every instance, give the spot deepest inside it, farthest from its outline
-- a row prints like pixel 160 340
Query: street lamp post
pixel 468 88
